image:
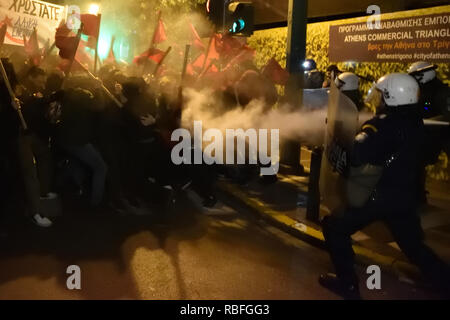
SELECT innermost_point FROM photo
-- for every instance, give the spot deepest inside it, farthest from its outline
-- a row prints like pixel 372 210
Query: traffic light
pixel 235 17
pixel 216 11
pixel 241 18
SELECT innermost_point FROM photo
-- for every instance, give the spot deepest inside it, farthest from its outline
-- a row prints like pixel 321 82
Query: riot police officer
pixel 434 94
pixel 348 83
pixel 434 103
pixel 313 78
pixel 392 140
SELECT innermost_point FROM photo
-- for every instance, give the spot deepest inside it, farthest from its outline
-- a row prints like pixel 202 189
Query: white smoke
pixel 305 126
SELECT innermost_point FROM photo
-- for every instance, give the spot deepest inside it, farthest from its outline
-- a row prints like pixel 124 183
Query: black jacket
pixel 395 141
pixel 435 99
pixel 78 118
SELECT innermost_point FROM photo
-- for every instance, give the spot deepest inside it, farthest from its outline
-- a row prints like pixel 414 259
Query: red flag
pixel 275 72
pixel 82 57
pixel 160 33
pixel 246 53
pixel 91 24
pixel 211 69
pixel 153 54
pixel 3 29
pixel 230 46
pixel 213 53
pixel 195 38
pixel 66 41
pixel 199 62
pixel 32 48
pixel 111 57
pixel 67 46
pixel 190 70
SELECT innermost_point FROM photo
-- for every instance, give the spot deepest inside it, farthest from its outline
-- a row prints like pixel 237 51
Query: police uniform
pixel 393 141
pixel 434 104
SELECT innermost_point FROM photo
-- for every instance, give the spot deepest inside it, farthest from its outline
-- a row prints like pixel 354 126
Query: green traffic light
pixel 238 26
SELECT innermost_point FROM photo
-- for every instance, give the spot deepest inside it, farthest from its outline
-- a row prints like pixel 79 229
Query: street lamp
pixel 94 9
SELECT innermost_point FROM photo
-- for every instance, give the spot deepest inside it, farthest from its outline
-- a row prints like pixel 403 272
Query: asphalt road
pixel 194 254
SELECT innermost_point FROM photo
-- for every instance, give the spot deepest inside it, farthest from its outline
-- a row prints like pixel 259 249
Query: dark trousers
pixel 89 156
pixel 37 168
pixel 405 227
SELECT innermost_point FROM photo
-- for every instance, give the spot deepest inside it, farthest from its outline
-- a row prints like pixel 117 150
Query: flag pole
pixel 183 71
pixel 111 49
pixel 75 51
pixel 13 96
pixel 161 61
pixel 207 51
pixel 96 43
pixel 50 49
pixel 152 44
pixel 117 102
pixel 11 91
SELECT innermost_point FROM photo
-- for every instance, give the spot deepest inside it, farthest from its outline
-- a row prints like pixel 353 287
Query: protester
pixel 75 133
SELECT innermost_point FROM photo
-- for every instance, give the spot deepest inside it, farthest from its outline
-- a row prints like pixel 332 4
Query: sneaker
pixel 42 221
pixel 344 289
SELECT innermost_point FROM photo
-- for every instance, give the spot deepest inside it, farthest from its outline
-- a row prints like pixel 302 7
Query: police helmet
pixel 425 76
pixel 395 89
pixel 347 81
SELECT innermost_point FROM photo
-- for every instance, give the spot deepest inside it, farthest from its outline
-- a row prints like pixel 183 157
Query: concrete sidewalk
pixel 278 204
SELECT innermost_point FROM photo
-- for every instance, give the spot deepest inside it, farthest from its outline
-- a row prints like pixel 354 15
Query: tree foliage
pixel 272 43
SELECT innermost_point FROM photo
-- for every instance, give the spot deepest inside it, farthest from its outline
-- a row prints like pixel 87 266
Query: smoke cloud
pixel 305 126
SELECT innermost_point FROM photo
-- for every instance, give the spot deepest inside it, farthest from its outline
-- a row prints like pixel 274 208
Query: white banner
pixel 22 16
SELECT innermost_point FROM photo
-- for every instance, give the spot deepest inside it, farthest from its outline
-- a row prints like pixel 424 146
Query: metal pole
pixel 296 53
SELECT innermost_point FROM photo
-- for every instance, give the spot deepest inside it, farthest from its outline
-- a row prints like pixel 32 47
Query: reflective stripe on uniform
pixel 370 126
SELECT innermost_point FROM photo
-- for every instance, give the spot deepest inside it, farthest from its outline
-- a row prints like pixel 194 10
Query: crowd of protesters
pixel 113 150
pixel 107 138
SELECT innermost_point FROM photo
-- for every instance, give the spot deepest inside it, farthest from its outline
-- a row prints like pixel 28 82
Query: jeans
pixel 90 157
pixel 36 164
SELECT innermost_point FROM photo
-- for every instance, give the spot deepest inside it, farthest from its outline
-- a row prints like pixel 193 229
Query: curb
pixel 401 269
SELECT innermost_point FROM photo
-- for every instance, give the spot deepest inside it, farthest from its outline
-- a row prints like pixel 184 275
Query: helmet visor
pixel 339 83
pixel 374 98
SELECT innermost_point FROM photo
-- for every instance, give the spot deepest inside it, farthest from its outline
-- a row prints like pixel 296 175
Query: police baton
pixel 13 96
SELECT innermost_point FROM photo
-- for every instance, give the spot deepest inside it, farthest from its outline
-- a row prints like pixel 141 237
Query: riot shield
pixel 315 99
pixel 342 126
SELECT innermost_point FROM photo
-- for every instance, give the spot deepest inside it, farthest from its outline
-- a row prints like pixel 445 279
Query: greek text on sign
pixel 405 39
pixel 22 16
